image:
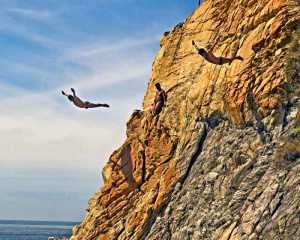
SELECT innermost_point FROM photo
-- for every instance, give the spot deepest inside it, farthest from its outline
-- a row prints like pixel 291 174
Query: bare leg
pixel 95 105
pixel 239 58
pixel 236 58
pixel 153 109
pixel 158 108
pixel 224 60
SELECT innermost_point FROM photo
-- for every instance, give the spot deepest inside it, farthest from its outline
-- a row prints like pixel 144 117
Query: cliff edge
pixel 222 159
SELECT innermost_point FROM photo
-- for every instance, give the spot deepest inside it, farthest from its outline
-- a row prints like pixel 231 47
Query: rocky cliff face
pixel 222 159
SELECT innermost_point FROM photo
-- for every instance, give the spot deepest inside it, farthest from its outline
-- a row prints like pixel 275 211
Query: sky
pixel 51 153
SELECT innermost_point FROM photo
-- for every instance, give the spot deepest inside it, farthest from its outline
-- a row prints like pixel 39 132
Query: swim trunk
pixel 86 103
pixel 221 60
pixel 158 107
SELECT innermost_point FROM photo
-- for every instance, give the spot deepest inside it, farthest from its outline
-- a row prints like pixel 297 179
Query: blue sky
pixel 52 153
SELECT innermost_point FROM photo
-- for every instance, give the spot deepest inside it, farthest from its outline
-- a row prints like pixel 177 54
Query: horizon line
pixel 38 222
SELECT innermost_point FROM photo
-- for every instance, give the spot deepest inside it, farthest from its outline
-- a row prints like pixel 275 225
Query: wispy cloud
pixel 93 49
pixel 43 128
pixel 31 13
pixel 21 30
pixel 103 50
pixel 31 24
pixel 99 71
pixel 109 63
pixel 39 125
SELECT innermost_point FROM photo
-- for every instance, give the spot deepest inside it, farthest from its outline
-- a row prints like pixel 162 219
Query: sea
pixel 34 230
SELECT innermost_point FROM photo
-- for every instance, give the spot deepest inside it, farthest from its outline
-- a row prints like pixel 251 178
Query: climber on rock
pixel 159 100
pixel 210 57
pixel 82 104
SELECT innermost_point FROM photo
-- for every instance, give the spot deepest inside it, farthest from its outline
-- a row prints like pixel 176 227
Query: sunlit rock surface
pixel 222 159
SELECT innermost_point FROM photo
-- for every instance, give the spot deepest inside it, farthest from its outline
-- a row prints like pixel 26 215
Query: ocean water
pixel 34 230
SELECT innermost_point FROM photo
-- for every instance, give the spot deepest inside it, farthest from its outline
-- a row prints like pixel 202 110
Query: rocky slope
pixel 222 159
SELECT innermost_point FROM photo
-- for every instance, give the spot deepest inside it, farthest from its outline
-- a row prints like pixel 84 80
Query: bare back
pixel 211 57
pixel 160 97
pixel 78 102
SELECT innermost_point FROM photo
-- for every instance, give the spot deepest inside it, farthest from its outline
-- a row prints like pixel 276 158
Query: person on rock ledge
pixel 159 100
pixel 210 57
pixel 82 104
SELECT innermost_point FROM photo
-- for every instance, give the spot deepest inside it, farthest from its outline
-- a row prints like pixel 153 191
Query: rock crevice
pixel 221 161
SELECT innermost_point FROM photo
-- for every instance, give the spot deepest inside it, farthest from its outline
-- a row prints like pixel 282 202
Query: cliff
pixel 222 159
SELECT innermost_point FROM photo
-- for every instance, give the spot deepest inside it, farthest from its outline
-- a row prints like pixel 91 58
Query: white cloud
pixel 42 130
pixel 44 137
pixel 93 50
pixel 110 63
pixel 12 23
pixel 27 33
pixel 42 134
pixel 6 90
pixel 31 13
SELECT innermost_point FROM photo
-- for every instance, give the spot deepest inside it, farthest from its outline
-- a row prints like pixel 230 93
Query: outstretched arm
pixel 165 96
pixel 70 97
pixel 73 91
pixel 194 44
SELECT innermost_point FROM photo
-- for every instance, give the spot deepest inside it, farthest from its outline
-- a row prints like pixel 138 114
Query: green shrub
pixel 296 128
pixel 296 131
pixel 292 68
pixel 297 123
pixel 292 72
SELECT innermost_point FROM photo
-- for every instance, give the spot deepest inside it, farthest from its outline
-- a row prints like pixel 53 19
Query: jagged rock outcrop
pixel 221 161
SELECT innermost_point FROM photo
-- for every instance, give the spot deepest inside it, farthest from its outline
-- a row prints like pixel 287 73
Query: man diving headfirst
pixel 82 104
pixel 210 57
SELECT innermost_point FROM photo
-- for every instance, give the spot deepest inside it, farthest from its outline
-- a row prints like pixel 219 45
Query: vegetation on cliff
pixel 219 162
pixel 292 70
